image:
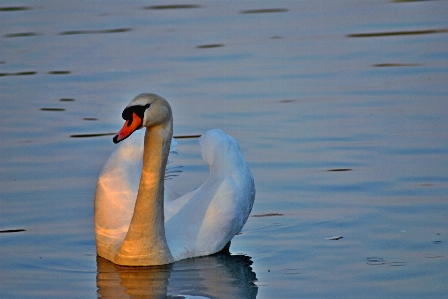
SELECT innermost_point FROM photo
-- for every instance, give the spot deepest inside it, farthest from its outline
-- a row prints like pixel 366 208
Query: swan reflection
pixel 218 276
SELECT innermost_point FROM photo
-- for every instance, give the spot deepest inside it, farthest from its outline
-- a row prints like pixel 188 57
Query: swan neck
pixel 145 243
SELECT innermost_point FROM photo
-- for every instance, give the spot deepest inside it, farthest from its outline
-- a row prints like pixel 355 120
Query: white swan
pixel 145 227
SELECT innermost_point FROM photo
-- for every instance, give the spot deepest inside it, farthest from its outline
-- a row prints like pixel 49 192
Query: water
pixel 340 109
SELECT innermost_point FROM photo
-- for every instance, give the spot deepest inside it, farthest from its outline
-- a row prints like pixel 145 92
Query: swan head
pixel 145 110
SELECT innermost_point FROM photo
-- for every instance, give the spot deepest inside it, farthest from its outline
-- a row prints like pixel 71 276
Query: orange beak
pixel 129 127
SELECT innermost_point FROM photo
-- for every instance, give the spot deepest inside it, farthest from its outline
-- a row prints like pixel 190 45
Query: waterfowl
pixel 141 222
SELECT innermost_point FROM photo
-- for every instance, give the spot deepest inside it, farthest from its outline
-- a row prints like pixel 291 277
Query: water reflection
pixel 218 276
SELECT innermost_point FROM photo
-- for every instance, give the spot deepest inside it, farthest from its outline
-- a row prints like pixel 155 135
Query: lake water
pixel 340 108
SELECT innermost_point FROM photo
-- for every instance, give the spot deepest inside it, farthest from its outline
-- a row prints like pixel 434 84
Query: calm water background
pixel 340 107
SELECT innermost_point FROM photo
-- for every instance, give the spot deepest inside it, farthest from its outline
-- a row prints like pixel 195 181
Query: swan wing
pixel 203 221
pixel 118 185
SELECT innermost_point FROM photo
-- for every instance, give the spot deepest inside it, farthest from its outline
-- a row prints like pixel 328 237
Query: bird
pixel 139 221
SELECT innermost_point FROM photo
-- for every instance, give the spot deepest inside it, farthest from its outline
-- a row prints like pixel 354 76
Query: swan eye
pixel 127 113
pixel 139 110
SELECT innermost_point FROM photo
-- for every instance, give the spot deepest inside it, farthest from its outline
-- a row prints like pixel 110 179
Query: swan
pixel 141 222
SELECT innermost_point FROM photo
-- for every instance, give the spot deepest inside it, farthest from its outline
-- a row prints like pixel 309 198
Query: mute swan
pixel 137 224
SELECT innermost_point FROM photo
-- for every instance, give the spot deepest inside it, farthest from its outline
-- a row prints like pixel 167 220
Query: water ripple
pixel 18 74
pixel 173 6
pixel 209 46
pixel 52 109
pixel 375 261
pixel 22 34
pixel 14 8
pixel 266 10
pixel 396 64
pixel 100 31
pixel 395 33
